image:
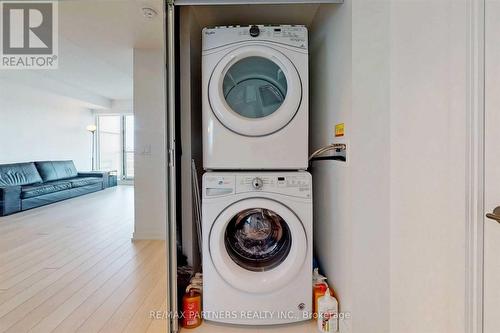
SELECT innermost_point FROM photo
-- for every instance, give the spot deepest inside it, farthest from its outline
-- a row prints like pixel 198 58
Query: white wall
pixel 352 199
pixel 37 125
pixel 331 99
pixel 369 163
pixel 150 161
pixel 118 106
pixel 390 224
pixel 428 140
pixel 491 302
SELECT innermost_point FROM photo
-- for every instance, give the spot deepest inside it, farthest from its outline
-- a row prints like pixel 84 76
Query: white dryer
pixel 257 247
pixel 255 97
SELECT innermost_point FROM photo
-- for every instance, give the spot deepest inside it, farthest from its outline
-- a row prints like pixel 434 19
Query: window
pixel 115 144
pixel 128 151
pixel 109 143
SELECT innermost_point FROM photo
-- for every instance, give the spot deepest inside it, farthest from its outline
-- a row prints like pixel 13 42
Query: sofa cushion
pixel 10 199
pixel 30 191
pixel 55 170
pixel 84 181
pixel 19 174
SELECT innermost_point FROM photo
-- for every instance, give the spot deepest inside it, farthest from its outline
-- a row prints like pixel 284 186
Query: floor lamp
pixel 92 129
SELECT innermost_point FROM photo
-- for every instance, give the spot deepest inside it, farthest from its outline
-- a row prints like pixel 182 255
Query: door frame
pixel 474 176
pixel 170 170
pixel 169 26
pixel 244 2
pixel 475 167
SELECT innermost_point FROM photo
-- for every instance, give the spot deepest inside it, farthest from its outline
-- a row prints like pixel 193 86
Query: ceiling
pixel 255 14
pixel 97 38
pixel 96 42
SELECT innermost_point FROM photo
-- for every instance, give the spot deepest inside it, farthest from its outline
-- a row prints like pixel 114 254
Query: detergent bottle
pixel 328 309
pixel 191 307
pixel 317 277
pixel 319 288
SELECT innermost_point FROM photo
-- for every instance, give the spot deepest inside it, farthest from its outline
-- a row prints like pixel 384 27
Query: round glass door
pixel 254 87
pixel 258 239
pixel 257 245
pixel 255 90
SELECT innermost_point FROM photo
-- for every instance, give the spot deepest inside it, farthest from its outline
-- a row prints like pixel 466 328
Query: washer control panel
pixel 292 35
pixel 216 185
pixel 297 184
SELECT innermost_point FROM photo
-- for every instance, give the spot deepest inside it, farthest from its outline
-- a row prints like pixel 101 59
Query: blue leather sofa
pixel 28 185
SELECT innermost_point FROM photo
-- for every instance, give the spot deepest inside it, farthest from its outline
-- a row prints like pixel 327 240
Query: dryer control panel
pixel 291 35
pixel 297 184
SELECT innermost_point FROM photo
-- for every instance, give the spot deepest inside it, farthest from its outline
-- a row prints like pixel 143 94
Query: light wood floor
pixel 72 267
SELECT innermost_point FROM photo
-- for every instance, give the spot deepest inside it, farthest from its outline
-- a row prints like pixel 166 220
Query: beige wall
pixel 150 161
pixel 428 140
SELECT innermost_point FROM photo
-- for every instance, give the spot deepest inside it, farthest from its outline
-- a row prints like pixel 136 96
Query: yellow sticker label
pixel 339 130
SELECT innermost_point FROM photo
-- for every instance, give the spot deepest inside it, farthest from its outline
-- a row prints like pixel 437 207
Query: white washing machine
pixel 255 97
pixel 257 247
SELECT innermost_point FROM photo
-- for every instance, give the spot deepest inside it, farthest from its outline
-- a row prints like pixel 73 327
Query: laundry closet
pixel 333 78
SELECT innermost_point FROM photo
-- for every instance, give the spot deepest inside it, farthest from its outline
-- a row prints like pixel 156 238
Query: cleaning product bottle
pixel 316 276
pixel 197 282
pixel 328 309
pixel 191 307
pixel 319 288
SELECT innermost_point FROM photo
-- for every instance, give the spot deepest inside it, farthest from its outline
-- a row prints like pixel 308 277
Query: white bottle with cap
pixel 317 277
pixel 328 310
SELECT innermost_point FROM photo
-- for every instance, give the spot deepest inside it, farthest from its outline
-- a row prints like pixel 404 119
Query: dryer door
pixel 258 245
pixel 255 90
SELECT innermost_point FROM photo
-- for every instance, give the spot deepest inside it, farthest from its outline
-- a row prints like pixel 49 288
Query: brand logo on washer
pixel 209 32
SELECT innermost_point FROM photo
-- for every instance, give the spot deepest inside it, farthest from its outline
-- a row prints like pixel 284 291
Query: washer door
pixel 257 245
pixel 255 90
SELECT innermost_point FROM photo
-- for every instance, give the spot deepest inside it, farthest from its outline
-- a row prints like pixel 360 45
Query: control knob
pixel 257 183
pixel 254 31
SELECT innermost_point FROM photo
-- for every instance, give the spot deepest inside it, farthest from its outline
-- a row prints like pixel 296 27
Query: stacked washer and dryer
pixel 257 196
